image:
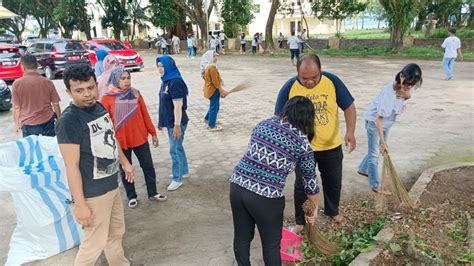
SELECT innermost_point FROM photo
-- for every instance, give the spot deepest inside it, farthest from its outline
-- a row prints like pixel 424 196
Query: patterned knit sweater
pixel 274 150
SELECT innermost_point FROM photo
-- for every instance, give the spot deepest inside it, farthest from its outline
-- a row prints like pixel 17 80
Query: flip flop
pixel 133 203
pixel 381 191
pixel 362 173
pixel 215 129
pixel 158 197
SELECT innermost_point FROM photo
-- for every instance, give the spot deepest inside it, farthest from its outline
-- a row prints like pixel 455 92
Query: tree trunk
pixel 88 34
pixel 419 23
pixel 117 34
pixel 133 31
pixel 396 36
pixel 270 21
pixel 203 29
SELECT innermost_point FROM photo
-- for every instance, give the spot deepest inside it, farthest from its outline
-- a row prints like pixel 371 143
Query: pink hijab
pixel 110 62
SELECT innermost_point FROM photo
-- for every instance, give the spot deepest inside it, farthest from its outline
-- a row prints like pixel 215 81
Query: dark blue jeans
pixel 211 116
pixel 45 129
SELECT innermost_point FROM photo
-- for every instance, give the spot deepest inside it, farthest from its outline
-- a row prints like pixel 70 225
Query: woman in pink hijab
pixel 110 62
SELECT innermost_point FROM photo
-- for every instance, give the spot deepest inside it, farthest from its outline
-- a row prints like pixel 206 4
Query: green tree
pixel 442 9
pixel 400 14
pixel 236 14
pixel 137 15
pixel 80 21
pixel 376 11
pixel 16 25
pixel 163 13
pixel 43 12
pixel 197 13
pixel 337 10
pixel 115 17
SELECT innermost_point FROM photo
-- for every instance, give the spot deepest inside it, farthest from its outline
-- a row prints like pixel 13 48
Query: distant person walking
pixel 35 101
pixel 133 126
pixel 222 38
pixel 254 44
pixel 294 48
pixel 176 41
pixel 302 39
pixel 452 49
pixel 213 89
pixel 260 42
pixel 162 45
pixel 281 38
pixel 243 42
pixel 150 41
pixel 190 44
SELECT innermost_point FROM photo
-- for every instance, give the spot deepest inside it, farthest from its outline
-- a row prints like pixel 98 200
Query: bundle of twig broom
pixel 317 239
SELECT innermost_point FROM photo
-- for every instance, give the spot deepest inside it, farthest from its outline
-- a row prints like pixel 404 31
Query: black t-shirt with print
pixel 93 130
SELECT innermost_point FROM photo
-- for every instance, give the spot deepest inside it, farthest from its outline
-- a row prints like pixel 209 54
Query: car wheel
pixel 48 72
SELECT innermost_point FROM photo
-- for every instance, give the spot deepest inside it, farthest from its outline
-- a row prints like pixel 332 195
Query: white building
pixel 284 23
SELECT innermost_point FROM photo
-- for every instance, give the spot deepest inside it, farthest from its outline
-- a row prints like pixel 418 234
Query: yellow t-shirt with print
pixel 329 95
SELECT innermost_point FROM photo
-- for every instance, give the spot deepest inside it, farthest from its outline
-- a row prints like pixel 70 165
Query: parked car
pixel 10 64
pixel 28 41
pixel 5 96
pixel 55 55
pixel 127 57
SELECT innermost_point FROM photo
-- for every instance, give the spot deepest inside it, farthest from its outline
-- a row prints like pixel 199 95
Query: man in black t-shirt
pixel 92 156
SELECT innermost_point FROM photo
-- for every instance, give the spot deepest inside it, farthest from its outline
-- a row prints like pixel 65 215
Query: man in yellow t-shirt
pixel 328 93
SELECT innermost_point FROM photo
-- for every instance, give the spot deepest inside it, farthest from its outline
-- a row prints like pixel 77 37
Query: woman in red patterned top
pixel 132 125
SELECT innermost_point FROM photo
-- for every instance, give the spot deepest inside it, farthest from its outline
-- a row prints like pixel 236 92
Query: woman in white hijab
pixel 110 62
pixel 213 89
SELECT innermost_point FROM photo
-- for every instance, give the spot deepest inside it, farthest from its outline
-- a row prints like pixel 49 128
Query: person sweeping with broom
pixel 213 89
pixel 277 145
pixel 380 117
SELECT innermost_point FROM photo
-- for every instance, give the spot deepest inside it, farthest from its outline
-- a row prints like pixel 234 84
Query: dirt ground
pixel 439 227
pixel 194 227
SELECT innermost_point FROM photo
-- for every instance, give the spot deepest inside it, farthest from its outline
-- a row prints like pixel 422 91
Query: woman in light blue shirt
pixel 381 115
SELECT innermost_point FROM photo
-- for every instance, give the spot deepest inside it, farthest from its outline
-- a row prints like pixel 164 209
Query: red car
pixel 10 65
pixel 127 57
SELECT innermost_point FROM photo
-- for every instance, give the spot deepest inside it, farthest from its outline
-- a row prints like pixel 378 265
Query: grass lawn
pixel 409 52
pixel 385 34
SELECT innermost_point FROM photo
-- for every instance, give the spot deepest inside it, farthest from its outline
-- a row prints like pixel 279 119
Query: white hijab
pixel 207 60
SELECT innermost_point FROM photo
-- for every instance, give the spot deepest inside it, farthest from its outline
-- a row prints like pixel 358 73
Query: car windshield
pixel 111 46
pixel 68 46
pixel 9 53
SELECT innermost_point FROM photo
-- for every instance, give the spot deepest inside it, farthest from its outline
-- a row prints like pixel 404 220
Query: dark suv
pixel 55 55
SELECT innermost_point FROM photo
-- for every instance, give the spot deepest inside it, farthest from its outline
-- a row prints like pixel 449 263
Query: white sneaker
pixel 184 176
pixel 174 185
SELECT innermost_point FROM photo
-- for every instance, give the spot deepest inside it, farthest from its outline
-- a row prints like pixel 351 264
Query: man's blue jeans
pixel 178 155
pixel 370 163
pixel 448 64
pixel 190 51
pixel 45 129
pixel 211 116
